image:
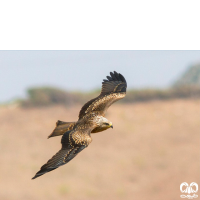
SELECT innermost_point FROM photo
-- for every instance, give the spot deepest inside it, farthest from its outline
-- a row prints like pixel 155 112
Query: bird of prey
pixel 77 135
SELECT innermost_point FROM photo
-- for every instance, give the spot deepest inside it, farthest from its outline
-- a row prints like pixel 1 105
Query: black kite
pixel 76 135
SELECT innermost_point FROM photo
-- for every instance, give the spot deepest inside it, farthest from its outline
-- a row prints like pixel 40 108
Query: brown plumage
pixel 76 135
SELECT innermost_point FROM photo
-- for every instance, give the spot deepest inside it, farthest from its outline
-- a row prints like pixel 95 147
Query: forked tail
pixel 61 128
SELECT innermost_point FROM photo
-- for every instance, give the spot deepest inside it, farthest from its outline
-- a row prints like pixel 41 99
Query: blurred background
pixel 154 145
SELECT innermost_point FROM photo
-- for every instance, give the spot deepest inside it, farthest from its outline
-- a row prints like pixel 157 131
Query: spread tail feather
pixel 61 128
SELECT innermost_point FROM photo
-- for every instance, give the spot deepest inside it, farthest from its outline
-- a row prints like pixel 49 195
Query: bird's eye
pixel 107 124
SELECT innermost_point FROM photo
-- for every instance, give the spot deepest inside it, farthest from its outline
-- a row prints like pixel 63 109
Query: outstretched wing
pixel 113 89
pixel 71 146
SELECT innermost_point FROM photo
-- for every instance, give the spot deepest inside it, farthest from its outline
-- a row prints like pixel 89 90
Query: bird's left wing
pixel 113 89
pixel 72 142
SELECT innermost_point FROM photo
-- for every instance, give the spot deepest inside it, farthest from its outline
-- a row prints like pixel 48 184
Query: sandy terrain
pixel 153 148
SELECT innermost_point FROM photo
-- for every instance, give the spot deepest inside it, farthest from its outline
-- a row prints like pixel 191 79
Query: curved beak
pixel 111 126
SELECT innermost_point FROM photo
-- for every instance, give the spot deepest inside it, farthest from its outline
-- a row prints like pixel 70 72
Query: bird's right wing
pixel 73 142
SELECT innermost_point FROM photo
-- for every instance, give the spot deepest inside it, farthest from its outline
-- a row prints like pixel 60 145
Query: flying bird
pixel 77 135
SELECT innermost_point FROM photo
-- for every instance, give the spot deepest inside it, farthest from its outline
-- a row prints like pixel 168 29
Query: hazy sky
pixel 85 70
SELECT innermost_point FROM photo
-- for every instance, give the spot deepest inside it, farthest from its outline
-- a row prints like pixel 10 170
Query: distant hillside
pixel 48 96
pixel 187 86
pixel 190 78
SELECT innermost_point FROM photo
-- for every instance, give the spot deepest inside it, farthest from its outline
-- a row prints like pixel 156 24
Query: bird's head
pixel 105 124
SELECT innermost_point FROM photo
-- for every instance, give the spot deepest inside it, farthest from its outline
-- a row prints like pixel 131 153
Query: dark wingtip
pixel 50 135
pixel 38 174
pixel 122 78
pixel 34 177
pixel 43 171
pixel 117 76
pixel 114 76
pixel 109 78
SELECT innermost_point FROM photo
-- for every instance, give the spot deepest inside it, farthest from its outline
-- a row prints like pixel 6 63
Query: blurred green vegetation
pixel 45 96
pixel 161 94
pixel 48 96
